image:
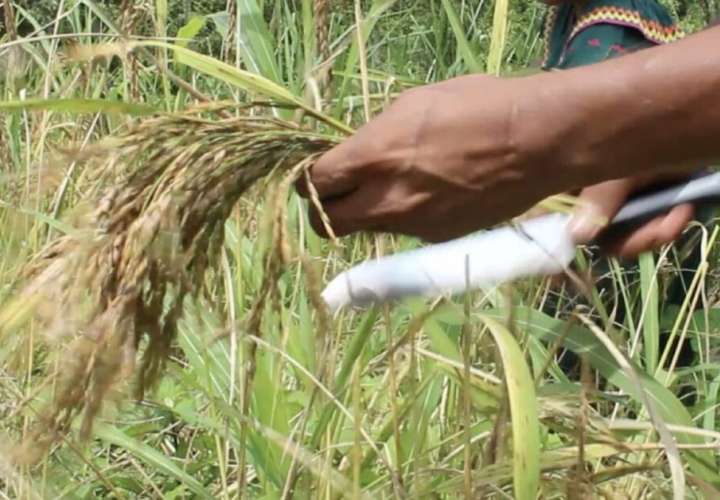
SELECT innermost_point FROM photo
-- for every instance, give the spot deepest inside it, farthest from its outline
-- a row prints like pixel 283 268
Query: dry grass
pixel 110 294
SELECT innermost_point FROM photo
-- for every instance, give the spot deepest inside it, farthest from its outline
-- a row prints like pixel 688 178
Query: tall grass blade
pixel 671 450
pixel 222 71
pixel 255 41
pixel 712 402
pixel 650 312
pixel 349 359
pixel 268 399
pixel 102 13
pixel 523 412
pixel 253 82
pixel 161 15
pixel 78 106
pixel 352 62
pixel 499 37
pixel 580 340
pixel 466 51
pixel 152 457
pixel 190 30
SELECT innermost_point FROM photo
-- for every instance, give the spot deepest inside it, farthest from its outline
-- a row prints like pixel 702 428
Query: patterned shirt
pixel 580 33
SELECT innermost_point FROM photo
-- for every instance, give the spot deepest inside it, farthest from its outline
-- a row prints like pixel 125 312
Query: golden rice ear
pixel 110 294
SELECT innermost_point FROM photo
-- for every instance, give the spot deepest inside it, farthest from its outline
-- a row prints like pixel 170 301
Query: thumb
pixel 599 204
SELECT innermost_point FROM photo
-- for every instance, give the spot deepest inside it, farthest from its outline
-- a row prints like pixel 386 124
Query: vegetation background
pixel 527 391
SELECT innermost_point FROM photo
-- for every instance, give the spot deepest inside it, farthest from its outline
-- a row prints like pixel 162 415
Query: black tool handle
pixel 700 190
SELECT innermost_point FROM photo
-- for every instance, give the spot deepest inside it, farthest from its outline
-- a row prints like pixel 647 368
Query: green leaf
pixel 190 30
pixel 255 43
pixel 224 72
pixel 239 78
pixel 523 412
pixel 703 321
pixel 102 13
pixel 672 453
pixel 354 349
pixel 650 312
pixel 50 221
pixel 711 402
pixel 77 106
pixel 221 20
pixel 367 26
pixel 581 340
pixel 161 14
pixel 309 44
pixel 187 33
pixel 467 53
pixel 150 456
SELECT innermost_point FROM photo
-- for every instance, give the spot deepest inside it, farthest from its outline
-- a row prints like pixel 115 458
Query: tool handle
pixel 539 247
pixel 700 191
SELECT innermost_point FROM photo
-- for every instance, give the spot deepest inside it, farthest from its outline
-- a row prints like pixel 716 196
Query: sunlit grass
pixel 263 395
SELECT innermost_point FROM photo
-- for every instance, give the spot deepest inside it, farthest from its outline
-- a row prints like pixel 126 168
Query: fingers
pixel 387 140
pixel 333 175
pixel 332 182
pixel 659 231
pixel 600 204
pixel 349 213
pixel 377 205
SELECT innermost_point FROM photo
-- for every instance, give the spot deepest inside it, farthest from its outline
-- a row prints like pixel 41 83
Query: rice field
pixel 162 333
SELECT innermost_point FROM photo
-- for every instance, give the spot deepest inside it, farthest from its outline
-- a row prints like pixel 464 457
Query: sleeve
pixel 600 42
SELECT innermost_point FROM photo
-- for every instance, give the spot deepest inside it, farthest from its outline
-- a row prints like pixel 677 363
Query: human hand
pixel 602 202
pixel 442 161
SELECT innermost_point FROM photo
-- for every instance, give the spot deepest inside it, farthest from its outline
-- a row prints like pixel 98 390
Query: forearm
pixel 450 158
pixel 653 111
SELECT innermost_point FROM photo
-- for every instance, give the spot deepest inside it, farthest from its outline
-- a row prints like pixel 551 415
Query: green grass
pixel 460 399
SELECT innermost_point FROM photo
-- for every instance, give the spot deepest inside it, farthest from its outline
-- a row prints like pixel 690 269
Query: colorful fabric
pixel 579 33
pixel 601 42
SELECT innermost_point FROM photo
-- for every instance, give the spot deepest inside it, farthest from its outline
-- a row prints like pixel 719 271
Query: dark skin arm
pixel 454 157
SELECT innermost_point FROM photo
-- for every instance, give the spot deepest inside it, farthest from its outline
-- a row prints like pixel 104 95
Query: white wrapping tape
pixel 540 246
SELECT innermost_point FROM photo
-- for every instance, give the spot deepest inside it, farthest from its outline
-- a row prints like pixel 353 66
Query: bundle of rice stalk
pixel 115 288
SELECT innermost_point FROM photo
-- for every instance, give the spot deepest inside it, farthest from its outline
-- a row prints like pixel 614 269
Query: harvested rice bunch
pixel 117 285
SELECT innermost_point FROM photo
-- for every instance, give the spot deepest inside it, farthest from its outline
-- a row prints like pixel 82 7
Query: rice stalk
pixel 133 13
pixel 321 11
pixel 110 294
pixel 498 38
pixel 9 14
